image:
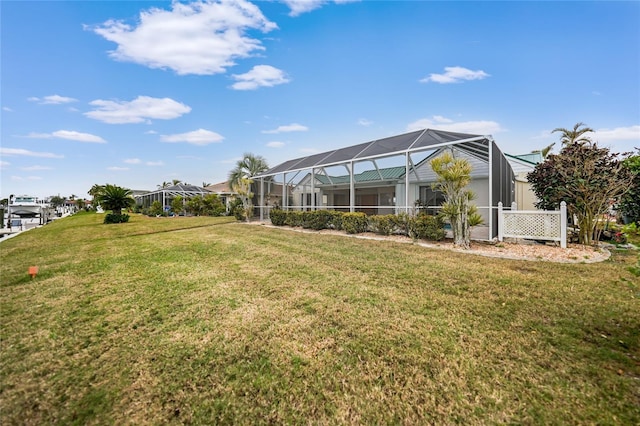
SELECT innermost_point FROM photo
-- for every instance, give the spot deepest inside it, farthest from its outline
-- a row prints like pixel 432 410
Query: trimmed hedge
pixel 383 224
pixel 294 218
pixel 429 227
pixel 417 227
pixel 278 217
pixel 317 219
pixel 110 218
pixel 354 223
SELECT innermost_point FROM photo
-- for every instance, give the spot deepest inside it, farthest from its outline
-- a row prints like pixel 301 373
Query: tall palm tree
pixel 205 184
pixel 164 185
pixel 115 198
pixel 249 166
pixel 176 182
pixel 575 135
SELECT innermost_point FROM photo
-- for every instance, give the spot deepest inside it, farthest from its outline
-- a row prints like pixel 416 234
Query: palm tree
pixel 544 151
pixel 249 166
pixel 575 135
pixel 452 177
pixel 115 198
pixel 95 190
pixel 176 182
pixel 164 185
pixel 205 184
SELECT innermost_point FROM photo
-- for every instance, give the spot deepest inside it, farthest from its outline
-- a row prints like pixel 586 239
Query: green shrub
pixel 156 209
pixel 383 224
pixel 354 223
pixel 404 224
pixel 336 219
pixel 294 218
pixel 278 217
pixel 116 218
pixel 318 219
pixel 429 227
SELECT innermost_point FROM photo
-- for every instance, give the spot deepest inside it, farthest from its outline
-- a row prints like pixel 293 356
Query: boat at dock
pixel 26 206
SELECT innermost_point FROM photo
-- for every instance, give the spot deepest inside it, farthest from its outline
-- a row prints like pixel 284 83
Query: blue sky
pixel 137 93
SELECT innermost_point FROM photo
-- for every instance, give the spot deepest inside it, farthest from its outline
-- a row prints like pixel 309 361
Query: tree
pixel 453 175
pixel 164 185
pixel 95 190
pixel 57 201
pixel 575 135
pixel 243 188
pixel 630 201
pixel 115 198
pixel 205 184
pixel 177 205
pixel 588 178
pixel 156 209
pixel 212 205
pixel 175 182
pixel 249 166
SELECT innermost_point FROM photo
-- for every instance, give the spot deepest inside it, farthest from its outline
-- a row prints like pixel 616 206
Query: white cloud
pixel 133 161
pixel 154 163
pixel 71 135
pixel 4 108
pixel 259 76
pixel 196 137
pixel 618 134
pixel 455 75
pixel 203 37
pixel 52 100
pixel 298 7
pixel 138 110
pixel 4 164
pixel 364 122
pixel 275 144
pixel 34 168
pixel 34 178
pixel 77 136
pixel 437 122
pixel 150 132
pixel 117 169
pixel 294 127
pixel 10 152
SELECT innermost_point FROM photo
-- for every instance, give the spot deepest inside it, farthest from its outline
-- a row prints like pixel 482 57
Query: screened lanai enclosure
pixel 389 175
pixel 166 195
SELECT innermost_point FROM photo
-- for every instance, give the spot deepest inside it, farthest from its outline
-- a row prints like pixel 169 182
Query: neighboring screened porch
pixel 389 175
pixel 166 195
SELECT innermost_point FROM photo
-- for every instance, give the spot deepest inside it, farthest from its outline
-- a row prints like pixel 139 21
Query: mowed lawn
pixel 207 321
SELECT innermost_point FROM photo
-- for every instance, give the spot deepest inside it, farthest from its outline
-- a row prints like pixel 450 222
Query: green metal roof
pixel 389 173
pixel 533 157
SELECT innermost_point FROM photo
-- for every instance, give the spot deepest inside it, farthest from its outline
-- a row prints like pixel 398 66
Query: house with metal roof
pixel 522 164
pixel 391 175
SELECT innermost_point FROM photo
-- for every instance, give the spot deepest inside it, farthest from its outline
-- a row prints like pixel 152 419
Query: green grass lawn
pixel 205 321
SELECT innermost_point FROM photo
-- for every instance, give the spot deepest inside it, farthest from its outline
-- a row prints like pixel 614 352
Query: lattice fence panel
pixel 535 225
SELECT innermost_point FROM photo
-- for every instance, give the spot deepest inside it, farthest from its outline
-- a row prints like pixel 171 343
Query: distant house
pixel 223 191
pixel 522 164
pixel 391 175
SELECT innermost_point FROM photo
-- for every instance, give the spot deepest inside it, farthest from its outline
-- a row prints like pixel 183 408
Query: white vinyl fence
pixel 533 224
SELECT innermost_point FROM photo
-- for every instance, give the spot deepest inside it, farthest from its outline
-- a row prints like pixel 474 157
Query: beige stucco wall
pixel 525 197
